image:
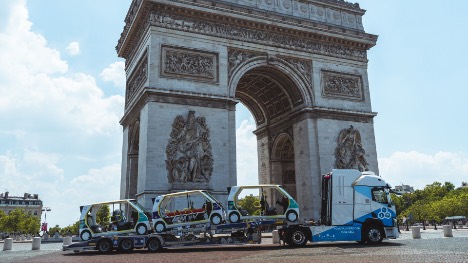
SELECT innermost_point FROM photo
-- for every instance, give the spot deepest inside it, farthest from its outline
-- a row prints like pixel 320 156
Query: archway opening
pixel 270 96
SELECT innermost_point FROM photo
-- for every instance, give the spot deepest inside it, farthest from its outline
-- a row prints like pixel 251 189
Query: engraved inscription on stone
pixel 341 85
pixel 189 64
pixel 188 152
pixel 349 153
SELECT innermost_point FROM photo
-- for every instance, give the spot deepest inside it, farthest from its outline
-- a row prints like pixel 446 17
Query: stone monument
pixel 300 67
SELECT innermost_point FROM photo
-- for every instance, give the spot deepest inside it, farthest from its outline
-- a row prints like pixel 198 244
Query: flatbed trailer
pixel 225 234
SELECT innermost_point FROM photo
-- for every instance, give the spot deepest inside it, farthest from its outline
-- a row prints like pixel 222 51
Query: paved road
pixel 433 247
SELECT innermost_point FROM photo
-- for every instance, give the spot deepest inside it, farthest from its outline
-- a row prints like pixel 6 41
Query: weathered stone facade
pixel 299 66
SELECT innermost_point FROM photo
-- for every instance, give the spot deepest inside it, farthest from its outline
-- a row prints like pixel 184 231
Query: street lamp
pixel 44 225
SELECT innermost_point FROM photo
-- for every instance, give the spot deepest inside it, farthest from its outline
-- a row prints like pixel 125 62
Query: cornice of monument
pixel 315 112
pixel 175 97
pixel 140 12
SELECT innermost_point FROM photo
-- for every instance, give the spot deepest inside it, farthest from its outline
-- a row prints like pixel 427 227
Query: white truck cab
pixel 356 206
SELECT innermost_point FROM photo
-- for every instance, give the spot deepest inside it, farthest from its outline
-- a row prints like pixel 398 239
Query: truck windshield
pixel 379 195
pixel 389 196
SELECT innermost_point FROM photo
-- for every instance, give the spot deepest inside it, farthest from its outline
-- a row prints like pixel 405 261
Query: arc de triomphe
pixel 300 67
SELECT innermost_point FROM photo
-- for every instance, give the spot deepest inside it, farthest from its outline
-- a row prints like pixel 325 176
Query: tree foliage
pixel 19 221
pixel 434 203
pixel 103 215
pixel 251 204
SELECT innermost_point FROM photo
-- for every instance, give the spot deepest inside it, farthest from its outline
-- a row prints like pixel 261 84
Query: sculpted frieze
pixel 341 86
pixel 189 64
pixel 188 152
pixel 272 38
pixel 137 78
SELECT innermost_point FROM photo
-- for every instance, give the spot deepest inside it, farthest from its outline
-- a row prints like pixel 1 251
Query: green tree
pixel 251 204
pixel 2 219
pixel 13 221
pixel 31 224
pixel 54 229
pixel 103 215
pixel 73 229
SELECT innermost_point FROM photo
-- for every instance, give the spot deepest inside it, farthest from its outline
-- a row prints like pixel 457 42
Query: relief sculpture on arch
pixel 349 152
pixel 188 152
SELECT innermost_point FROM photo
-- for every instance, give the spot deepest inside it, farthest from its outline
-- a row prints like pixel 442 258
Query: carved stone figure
pixel 189 157
pixel 349 154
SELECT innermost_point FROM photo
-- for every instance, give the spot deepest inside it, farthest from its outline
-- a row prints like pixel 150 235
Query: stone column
pixel 263 160
pixel 132 175
pixel 307 166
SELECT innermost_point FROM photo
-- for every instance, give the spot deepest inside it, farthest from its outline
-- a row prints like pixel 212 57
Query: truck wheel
pixel 141 229
pixel 104 245
pixel 85 235
pixel 154 245
pixel 234 217
pixel 159 227
pixel 373 235
pixel 126 245
pixel 216 219
pixel 296 237
pixel 291 216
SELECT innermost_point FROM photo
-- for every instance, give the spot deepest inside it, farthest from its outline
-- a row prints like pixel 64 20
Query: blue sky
pixel 62 88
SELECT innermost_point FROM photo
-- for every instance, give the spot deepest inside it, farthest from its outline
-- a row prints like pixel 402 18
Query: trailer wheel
pixel 104 245
pixel 291 216
pixel 154 245
pixel 126 245
pixel 296 237
pixel 141 229
pixel 373 235
pixel 85 235
pixel 234 217
pixel 216 219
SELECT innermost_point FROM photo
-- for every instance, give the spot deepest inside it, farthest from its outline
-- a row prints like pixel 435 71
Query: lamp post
pixel 44 225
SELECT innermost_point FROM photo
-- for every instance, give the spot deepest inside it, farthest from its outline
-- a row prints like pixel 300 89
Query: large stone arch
pixel 299 80
pixel 299 66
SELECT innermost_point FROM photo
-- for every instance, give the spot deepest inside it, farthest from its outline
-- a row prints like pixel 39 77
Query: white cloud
pixel 246 148
pixel 73 48
pixel 34 83
pixel 24 51
pixel 115 73
pixel 420 169
pixel 102 184
pixel 37 172
pixel 51 120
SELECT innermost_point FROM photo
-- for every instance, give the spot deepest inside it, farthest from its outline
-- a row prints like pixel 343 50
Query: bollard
pixel 275 237
pixel 36 243
pixel 416 231
pixel 7 244
pixel 448 231
pixel 67 241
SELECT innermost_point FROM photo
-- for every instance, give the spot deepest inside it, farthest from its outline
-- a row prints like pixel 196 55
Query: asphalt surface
pixel 432 247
